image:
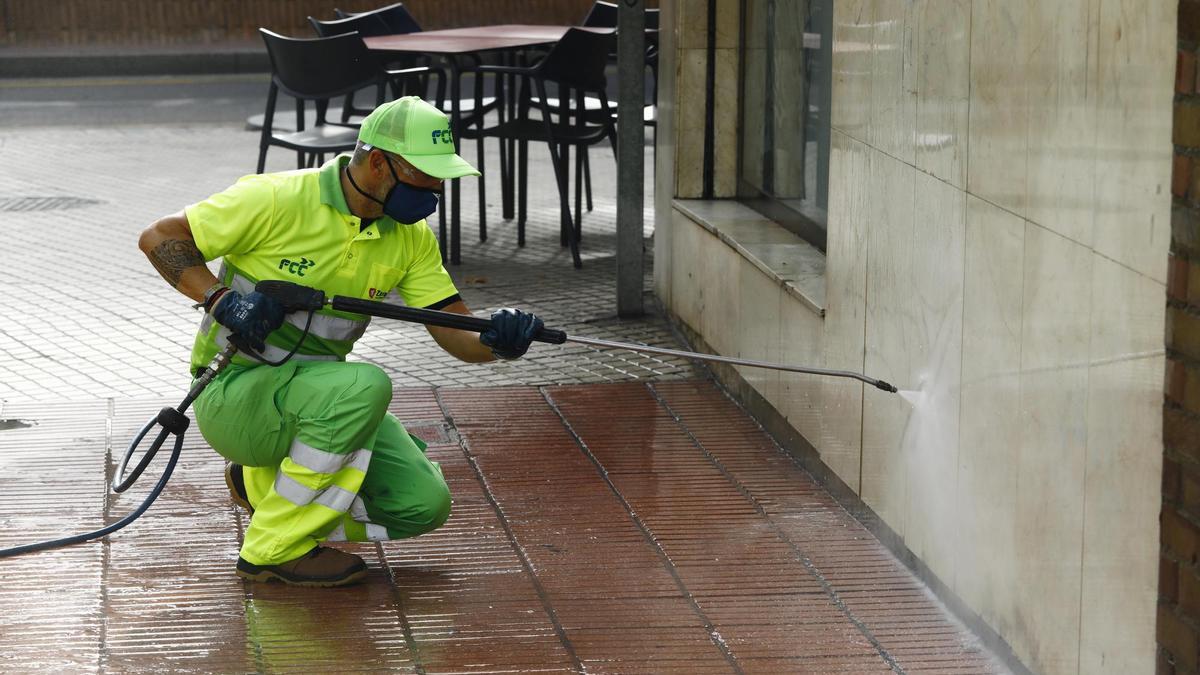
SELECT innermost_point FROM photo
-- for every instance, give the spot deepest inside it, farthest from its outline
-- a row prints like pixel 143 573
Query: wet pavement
pixel 630 527
pixel 612 512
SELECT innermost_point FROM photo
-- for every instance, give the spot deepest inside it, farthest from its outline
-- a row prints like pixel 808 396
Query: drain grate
pixel 44 203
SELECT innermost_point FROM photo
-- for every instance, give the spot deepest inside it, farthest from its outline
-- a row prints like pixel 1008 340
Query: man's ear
pixel 378 163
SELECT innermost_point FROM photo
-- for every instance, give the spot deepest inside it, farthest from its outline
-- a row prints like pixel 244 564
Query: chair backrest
pixel 397 18
pixel 366 25
pixel 604 15
pixel 578 59
pixel 601 15
pixel 320 67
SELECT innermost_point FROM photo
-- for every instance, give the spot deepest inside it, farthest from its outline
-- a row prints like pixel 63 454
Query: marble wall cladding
pixel 800 396
pixel 1055 335
pixel 725 128
pixel 850 109
pixel 891 335
pixel 990 422
pixel 1123 467
pixel 666 139
pixel 1136 46
pixel 687 290
pixel 840 439
pixel 931 435
pixel 759 328
pixel 1061 93
pixel 693 23
pixel 753 99
pixel 943 86
pixel 998 137
pixel 893 93
pixel 914 340
pixel 720 282
pixel 689 118
pixel 998 226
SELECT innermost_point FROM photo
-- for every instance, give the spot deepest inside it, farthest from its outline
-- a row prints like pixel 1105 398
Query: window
pixel 784 127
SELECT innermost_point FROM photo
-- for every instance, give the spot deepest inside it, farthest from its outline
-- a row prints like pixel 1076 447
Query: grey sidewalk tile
pixel 87 316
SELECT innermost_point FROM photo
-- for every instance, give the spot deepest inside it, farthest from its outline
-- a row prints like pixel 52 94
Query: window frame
pixel 808 220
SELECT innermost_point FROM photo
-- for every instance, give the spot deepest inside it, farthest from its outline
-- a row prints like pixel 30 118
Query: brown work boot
pixel 237 486
pixel 319 567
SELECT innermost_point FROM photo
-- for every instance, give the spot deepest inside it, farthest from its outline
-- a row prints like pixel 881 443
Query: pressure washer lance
pixel 294 297
pixel 478 325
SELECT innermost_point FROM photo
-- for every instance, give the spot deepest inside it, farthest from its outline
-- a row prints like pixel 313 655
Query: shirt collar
pixel 330 180
pixel 331 184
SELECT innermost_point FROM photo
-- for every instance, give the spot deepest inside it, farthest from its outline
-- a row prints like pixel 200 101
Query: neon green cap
pixel 418 132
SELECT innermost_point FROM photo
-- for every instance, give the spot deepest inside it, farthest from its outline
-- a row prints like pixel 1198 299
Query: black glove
pixel 251 316
pixel 511 332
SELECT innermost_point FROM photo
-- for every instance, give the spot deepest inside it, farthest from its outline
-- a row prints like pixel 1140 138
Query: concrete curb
pixel 31 64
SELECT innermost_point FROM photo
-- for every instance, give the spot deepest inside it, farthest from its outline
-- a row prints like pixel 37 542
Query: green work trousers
pixel 324 460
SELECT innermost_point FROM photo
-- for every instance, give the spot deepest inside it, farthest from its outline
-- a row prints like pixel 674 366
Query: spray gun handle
pixel 293 297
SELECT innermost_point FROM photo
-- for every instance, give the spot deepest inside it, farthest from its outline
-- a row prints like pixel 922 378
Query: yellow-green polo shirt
pixel 295 226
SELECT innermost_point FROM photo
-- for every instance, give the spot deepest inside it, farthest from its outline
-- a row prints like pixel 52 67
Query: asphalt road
pixel 103 102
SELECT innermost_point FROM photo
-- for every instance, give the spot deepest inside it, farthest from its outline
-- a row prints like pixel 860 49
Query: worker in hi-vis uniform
pixel 314 454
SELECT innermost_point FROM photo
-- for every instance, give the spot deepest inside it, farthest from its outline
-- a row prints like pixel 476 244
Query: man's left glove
pixel 511 333
pixel 252 316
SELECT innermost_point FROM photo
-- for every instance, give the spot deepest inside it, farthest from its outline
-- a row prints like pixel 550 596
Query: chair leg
pixel 442 231
pixel 479 158
pixel 505 180
pixel 580 153
pixel 564 154
pixel 522 185
pixel 264 140
pixel 587 177
pixel 562 171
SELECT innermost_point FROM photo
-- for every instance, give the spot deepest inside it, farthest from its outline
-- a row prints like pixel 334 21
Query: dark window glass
pixel 784 144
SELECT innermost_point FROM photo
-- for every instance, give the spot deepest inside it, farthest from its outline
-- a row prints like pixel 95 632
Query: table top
pixel 472 39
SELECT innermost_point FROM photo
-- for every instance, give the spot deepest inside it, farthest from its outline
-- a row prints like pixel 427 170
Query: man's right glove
pixel 252 316
pixel 511 333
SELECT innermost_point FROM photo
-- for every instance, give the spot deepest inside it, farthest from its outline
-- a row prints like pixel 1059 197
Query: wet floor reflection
pixel 609 528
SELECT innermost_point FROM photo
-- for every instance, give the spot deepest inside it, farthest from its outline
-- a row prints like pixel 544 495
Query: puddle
pixel 6 424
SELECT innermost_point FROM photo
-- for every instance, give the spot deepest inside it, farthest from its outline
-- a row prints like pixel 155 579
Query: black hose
pixel 174 421
pixel 88 536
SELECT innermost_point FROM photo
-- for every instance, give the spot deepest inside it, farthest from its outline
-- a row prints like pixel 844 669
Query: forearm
pixel 170 247
pixel 463 345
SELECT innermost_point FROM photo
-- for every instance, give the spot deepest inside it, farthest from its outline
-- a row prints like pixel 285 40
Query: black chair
pixel 399 21
pixel 575 66
pixel 372 24
pixel 395 17
pixel 605 15
pixel 316 70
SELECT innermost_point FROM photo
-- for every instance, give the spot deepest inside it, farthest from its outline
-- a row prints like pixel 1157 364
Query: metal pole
pixel 631 85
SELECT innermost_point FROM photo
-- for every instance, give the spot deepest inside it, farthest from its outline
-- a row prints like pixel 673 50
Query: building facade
pixel 970 200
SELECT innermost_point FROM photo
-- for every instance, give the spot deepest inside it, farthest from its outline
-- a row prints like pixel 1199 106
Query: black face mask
pixel 403 203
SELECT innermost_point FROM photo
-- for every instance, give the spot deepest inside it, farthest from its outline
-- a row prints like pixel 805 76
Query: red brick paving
pixel 601 528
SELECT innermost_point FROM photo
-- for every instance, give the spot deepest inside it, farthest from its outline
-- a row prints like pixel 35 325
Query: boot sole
pixel 270 575
pixel 233 493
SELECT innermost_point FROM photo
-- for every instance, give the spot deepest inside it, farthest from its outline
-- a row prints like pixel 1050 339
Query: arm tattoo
pixel 173 256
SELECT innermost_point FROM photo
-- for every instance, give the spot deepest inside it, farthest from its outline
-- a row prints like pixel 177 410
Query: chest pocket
pixel 382 282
